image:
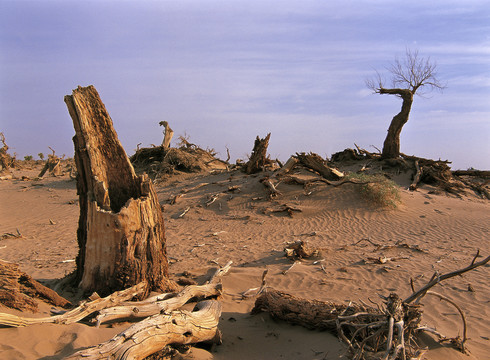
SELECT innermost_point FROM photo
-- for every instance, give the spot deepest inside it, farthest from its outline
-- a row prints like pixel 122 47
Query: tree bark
pixel 121 234
pixel 258 159
pixel 391 145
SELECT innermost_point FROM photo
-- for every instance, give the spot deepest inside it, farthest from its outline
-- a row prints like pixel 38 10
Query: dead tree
pixel 408 76
pixel 121 234
pixel 52 165
pixel 5 159
pixel 167 135
pixel 258 159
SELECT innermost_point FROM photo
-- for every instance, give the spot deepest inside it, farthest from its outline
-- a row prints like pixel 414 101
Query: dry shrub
pixel 378 190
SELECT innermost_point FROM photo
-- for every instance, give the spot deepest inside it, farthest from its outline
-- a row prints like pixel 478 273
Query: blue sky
pixel 223 72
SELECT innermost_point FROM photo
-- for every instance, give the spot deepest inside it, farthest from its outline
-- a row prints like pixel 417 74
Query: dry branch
pixel 164 303
pixel 258 159
pixel 154 333
pixel 438 278
pixel 80 312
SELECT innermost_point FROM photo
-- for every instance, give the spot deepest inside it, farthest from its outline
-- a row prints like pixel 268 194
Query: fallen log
pixel 153 334
pixel 317 163
pixel 300 250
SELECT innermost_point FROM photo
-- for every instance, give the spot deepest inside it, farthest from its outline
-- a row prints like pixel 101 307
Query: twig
pixel 185 212
pixel 287 270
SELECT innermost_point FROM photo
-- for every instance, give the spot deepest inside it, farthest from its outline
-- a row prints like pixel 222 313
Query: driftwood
pixel 164 303
pixel 17 289
pixel 317 163
pixel 85 309
pixel 152 334
pixel 258 159
pixel 121 233
pixel 368 332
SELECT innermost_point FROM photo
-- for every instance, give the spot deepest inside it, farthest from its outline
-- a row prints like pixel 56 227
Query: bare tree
pixel 413 74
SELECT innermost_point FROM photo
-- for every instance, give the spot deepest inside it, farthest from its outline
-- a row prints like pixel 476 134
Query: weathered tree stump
pixel 121 234
pixel 258 159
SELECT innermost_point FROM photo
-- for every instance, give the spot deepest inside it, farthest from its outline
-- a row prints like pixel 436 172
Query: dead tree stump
pixel 258 159
pixel 121 234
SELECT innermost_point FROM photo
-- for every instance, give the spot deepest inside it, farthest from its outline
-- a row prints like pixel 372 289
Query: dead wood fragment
pixel 258 160
pixel 383 259
pixel 289 209
pixel 398 244
pixel 17 289
pixel 290 164
pixel 80 312
pixel 273 192
pixel 153 334
pixel 300 250
pixel 318 164
pixel 164 303
pixel 52 165
pixel 416 179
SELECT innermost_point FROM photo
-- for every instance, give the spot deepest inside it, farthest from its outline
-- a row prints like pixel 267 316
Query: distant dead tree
pixel 408 76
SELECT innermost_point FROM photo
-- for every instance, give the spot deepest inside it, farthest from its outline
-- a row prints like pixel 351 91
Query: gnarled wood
pixel 258 159
pixel 121 233
pixel 154 333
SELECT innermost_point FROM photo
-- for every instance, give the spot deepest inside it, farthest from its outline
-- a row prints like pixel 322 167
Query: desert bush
pixel 41 156
pixel 378 190
pixel 28 157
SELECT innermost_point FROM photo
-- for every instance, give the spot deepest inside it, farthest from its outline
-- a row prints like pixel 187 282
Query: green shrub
pixel 377 190
pixel 28 157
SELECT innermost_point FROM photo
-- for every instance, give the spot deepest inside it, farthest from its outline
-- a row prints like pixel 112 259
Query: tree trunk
pixel 258 159
pixel 391 146
pixel 121 234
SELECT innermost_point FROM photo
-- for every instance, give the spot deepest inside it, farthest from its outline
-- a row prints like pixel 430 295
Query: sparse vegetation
pixel 378 190
pixel 41 156
pixel 28 157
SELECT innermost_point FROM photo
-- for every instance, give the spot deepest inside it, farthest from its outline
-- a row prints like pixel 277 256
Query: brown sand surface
pixel 448 230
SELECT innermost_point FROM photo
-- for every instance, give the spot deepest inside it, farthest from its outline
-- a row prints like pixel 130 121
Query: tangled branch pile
pixel 387 332
pixel 158 160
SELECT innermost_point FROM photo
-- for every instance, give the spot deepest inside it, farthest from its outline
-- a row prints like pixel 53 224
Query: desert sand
pixel 447 230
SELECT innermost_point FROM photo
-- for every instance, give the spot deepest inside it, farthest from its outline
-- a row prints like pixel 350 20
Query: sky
pixel 223 72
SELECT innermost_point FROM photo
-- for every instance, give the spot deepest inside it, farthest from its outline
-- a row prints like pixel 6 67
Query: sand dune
pixel 237 226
